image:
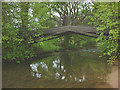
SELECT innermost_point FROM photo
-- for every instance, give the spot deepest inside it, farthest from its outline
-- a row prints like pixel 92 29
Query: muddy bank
pixel 111 79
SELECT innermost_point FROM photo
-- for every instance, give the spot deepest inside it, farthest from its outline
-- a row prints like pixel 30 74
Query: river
pixel 69 69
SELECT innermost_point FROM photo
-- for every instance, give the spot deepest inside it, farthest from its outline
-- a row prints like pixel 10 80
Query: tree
pixel 77 11
pixel 105 18
pixel 21 23
pixel 15 38
pixel 70 13
pixel 24 6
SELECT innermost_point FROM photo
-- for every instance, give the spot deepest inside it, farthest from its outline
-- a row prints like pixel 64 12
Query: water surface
pixel 68 69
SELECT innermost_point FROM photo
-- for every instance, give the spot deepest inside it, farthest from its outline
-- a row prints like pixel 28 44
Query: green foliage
pixel 14 46
pixel 105 18
pixel 50 45
pixel 80 41
pixel 41 13
pixel 23 22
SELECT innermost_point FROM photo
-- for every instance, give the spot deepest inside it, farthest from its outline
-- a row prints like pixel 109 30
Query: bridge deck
pixel 85 30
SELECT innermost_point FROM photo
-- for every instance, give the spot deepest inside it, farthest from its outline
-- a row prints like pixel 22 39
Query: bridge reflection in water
pixel 71 67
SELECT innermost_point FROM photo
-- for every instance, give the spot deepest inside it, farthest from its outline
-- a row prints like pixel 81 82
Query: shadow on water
pixel 72 69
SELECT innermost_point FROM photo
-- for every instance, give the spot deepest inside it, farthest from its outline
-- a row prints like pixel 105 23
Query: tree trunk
pixel 78 43
pixel 118 52
pixel 24 19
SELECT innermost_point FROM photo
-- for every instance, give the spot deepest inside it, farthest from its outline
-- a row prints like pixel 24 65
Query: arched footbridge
pixel 57 32
pixel 82 30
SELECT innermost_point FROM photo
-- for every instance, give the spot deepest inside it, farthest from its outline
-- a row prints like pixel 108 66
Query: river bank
pixel 111 79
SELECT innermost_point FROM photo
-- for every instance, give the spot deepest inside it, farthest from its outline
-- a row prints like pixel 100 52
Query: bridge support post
pixel 66 41
pixel 60 41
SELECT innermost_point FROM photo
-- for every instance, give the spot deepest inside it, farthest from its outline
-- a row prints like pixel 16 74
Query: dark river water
pixel 68 69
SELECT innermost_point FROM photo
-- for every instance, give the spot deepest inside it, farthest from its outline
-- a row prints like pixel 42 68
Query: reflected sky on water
pixel 57 71
pixel 75 66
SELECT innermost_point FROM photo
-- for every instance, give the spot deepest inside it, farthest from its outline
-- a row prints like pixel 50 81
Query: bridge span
pixel 83 30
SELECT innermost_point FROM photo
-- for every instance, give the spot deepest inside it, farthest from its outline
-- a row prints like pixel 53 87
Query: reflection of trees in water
pixel 71 67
